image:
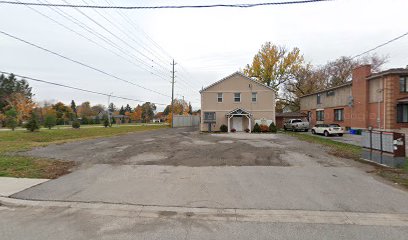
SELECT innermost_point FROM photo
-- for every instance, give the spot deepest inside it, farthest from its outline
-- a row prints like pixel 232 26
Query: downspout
pixel 384 89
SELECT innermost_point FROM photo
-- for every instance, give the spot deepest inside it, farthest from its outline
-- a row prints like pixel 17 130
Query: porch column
pixel 249 124
pixel 229 126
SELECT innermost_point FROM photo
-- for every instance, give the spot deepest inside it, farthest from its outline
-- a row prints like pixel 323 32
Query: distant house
pixel 238 102
pixel 119 119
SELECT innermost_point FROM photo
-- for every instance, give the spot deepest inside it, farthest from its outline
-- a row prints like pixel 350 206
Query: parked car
pixel 296 125
pixel 328 129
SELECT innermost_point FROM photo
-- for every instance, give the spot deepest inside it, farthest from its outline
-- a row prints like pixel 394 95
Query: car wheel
pixel 326 133
pixel 313 132
pixel 340 134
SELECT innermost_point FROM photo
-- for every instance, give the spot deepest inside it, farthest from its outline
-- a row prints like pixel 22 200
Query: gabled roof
pixel 234 74
pixel 238 111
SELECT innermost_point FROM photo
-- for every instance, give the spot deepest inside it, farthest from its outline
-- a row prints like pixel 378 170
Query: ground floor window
pixel 402 113
pixel 209 116
pixel 320 115
pixel 339 114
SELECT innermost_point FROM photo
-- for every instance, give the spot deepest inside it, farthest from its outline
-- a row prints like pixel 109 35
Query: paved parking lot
pixel 182 167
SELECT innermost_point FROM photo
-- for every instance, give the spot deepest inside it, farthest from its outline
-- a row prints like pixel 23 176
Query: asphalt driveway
pixel 181 167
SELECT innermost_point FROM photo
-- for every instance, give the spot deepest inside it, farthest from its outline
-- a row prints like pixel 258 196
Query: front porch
pixel 239 119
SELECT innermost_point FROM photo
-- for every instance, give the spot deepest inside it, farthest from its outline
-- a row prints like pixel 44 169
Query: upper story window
pixel 330 93
pixel 319 100
pixel 254 97
pixel 403 84
pixel 237 97
pixel 220 97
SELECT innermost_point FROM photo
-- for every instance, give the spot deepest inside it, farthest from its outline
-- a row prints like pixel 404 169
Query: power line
pixel 80 63
pixel 243 5
pixel 76 88
pixel 98 35
pixel 381 45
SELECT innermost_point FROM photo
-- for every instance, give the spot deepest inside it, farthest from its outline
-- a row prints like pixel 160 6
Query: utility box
pixel 385 148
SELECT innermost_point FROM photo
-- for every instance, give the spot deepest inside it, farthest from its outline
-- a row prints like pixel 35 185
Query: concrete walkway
pixel 10 186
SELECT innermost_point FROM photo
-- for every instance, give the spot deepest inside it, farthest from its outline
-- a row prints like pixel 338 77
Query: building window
pixel 330 93
pixel 237 97
pixel 209 116
pixel 320 115
pixel 254 96
pixel 219 97
pixel 338 114
pixel 318 98
pixel 402 113
pixel 403 84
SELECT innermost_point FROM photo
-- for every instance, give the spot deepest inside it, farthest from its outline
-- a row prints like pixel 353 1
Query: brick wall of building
pixel 359 112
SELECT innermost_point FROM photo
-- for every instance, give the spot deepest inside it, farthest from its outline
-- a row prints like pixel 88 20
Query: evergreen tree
pixel 10 85
pixel 50 121
pixel 11 118
pixel 112 108
pixel 33 123
pixel 122 111
pixel 74 108
pixel 128 108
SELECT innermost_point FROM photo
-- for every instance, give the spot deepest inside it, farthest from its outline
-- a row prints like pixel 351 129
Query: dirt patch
pixel 167 213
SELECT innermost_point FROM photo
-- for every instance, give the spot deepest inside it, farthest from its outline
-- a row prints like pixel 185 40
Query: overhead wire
pixel 99 36
pixel 379 46
pixel 238 5
pixel 80 63
pixel 77 88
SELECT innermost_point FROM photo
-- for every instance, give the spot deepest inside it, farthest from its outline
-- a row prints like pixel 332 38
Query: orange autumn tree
pixel 22 104
pixel 136 115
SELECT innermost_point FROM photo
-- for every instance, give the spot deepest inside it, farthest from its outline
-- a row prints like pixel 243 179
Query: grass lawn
pixel 13 165
pixel 350 151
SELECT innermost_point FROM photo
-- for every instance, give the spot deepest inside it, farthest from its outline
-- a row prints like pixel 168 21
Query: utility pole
pixel 172 94
pixel 109 113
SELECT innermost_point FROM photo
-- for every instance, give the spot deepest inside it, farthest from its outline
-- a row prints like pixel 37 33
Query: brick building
pixel 379 100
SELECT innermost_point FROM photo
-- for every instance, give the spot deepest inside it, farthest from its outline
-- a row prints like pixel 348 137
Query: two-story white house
pixel 238 102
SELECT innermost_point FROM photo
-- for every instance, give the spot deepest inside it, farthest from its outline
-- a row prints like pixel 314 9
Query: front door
pixel 237 123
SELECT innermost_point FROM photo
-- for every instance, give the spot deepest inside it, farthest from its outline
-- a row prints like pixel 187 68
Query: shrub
pixel 257 128
pixel 76 124
pixel 106 122
pixel 97 120
pixel 223 128
pixel 11 119
pixel 272 128
pixel 60 121
pixel 264 128
pixel 247 130
pixel 84 120
pixel 233 130
pixel 32 123
pixel 50 121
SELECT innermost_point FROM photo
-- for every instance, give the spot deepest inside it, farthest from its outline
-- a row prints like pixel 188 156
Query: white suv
pixel 328 129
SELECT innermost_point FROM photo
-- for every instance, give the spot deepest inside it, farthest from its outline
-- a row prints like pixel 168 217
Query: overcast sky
pixel 207 44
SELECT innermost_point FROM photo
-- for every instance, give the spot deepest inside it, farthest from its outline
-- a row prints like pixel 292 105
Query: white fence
pixel 186 121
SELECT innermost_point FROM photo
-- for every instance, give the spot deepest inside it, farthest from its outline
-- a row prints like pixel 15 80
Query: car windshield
pixel 334 125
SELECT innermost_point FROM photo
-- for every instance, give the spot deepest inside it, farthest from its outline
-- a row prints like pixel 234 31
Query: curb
pixel 212 214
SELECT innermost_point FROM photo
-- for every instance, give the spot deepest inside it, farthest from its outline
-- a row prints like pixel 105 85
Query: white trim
pixel 222 97
pixel 256 97
pixel 240 96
